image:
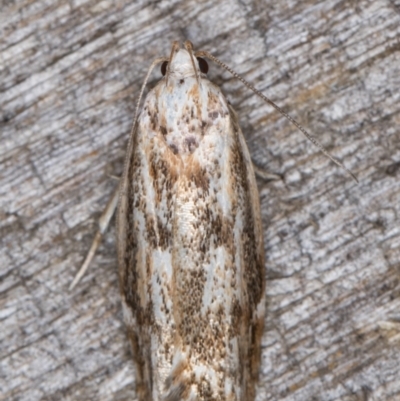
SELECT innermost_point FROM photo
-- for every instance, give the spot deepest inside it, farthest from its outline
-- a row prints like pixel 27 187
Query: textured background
pixel 70 72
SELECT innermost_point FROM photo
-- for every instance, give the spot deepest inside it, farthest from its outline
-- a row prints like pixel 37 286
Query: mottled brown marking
pixel 197 175
pixel 174 148
pixel 141 365
pixel 163 131
pixel 213 114
pixel 153 118
pixel 191 143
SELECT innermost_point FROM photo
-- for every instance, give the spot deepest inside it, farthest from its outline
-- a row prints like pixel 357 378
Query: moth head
pixel 183 63
pixel 202 66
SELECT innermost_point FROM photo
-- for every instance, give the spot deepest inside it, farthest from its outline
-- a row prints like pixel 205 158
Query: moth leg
pixel 265 175
pixel 103 225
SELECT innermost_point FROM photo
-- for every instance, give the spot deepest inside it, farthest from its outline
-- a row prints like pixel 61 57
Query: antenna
pixel 276 107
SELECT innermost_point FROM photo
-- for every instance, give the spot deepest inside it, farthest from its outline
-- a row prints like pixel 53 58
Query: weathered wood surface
pixel 70 75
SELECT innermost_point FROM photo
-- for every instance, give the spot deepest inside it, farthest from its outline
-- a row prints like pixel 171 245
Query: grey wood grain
pixel 70 73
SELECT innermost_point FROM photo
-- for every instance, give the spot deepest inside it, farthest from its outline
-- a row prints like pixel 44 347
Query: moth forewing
pixel 190 247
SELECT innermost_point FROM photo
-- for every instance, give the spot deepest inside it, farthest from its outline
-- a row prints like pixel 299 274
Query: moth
pixel 190 243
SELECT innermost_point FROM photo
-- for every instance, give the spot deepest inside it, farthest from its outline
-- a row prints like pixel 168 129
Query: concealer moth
pixel 190 243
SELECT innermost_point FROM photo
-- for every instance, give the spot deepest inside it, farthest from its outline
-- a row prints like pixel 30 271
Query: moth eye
pixel 203 65
pixel 164 67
